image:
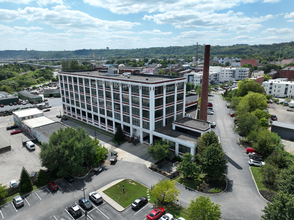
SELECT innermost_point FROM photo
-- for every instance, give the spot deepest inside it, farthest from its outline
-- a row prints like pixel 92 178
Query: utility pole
pixel 196 54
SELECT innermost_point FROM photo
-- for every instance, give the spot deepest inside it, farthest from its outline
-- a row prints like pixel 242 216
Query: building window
pixel 125 87
pixel 158 113
pixel 135 100
pixel 135 89
pixel 116 96
pixel 117 106
pixel 158 124
pixel 87 90
pixel 158 102
pixel 93 82
pixel 125 98
pixel 170 88
pixel 146 125
pixel 108 94
pixel 126 108
pixel 95 118
pixel 181 86
pixel 169 110
pixel 86 82
pixel 95 109
pixel 180 96
pixel 94 92
pixel 100 83
pixel 145 90
pixel 109 123
pixel 89 107
pixel 179 107
pixel 117 116
pixel 145 114
pixel 102 111
pixel 88 99
pixel 170 99
pixel 100 93
pixel 77 103
pixel 78 111
pixel 101 102
pixel 136 122
pixel 135 111
pixel 169 120
pixel 126 119
pixel 109 114
pixel 107 84
pixel 81 81
pixel 83 105
pixel 158 90
pixel 116 86
pixel 183 149
pixel 102 120
pixel 109 104
pixel 145 102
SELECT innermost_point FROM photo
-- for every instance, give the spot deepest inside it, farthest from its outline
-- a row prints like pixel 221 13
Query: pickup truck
pixel 113 157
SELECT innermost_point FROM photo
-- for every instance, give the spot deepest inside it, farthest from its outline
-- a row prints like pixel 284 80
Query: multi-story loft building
pixel 279 88
pixel 231 74
pixel 196 78
pixel 140 104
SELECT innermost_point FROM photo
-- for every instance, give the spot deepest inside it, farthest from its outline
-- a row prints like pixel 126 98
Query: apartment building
pixel 231 74
pixel 196 78
pixel 279 88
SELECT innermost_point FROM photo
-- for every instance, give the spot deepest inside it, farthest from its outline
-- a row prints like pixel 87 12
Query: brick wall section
pixel 260 80
pixel 251 61
pixel 289 74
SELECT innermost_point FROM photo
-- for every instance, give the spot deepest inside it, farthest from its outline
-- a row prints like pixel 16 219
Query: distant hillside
pixel 262 52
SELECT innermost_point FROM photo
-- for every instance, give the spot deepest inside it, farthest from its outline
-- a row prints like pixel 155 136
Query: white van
pixel 30 145
pixel 291 104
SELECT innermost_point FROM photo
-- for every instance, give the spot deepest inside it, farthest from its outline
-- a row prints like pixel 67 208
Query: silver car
pixel 95 197
pixel 18 201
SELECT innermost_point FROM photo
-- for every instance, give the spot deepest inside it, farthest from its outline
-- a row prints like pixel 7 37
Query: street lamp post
pixel 83 189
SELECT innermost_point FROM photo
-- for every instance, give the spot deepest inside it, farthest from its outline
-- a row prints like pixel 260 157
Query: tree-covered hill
pixel 263 52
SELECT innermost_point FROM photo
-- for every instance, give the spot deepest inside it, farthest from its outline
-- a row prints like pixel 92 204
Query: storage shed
pixel 284 130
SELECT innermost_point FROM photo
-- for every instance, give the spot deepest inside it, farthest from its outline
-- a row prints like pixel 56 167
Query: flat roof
pixel 283 125
pixel 47 130
pixel 193 123
pixel 168 130
pixel 27 112
pixel 39 121
pixel 139 78
pixel 191 98
pixel 51 91
pixel 29 95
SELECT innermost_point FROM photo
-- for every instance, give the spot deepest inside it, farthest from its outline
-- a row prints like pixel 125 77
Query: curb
pixel 257 187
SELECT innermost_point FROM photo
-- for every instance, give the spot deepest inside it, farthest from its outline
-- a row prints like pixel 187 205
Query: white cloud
pixel 271 1
pixel 27 28
pixel 9 30
pixel 17 1
pixel 281 31
pixel 155 32
pixel 291 15
pixel 291 20
pixel 62 18
pixel 48 2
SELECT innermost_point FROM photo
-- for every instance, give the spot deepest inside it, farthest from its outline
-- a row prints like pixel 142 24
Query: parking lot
pixel 281 112
pixel 42 196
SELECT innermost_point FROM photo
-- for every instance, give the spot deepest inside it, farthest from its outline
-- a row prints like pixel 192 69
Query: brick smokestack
pixel 204 90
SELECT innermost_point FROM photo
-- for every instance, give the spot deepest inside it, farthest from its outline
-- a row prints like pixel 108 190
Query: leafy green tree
pixel 261 114
pixel 25 182
pixel 206 140
pixel 189 86
pixel 42 178
pixel 267 77
pixel 172 73
pixel 68 150
pixel 248 85
pixel 269 174
pixel 188 167
pixel 119 135
pixel 165 191
pixel 234 102
pixel 245 123
pixel 159 150
pixel 286 179
pixel 198 90
pixel 202 208
pixel 3 191
pixel 227 64
pixel 282 207
pixel 213 161
pixel 161 72
pixel 6 88
pixel 254 101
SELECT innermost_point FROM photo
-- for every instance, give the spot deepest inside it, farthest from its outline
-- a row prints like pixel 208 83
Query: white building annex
pixel 279 88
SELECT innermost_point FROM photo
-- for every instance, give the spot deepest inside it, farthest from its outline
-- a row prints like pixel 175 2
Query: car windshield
pixel 134 203
pixel 13 184
pixel 86 202
pixel 151 214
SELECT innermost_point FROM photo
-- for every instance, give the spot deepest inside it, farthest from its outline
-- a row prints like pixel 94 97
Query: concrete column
pixel 177 149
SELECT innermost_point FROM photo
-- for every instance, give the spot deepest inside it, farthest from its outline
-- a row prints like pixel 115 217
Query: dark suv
pixel 274 118
pixel 75 211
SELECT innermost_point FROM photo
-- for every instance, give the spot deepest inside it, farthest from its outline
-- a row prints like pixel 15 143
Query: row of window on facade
pixel 116 86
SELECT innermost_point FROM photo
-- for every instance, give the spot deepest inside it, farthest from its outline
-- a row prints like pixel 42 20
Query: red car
pixel 156 213
pixel 251 150
pixel 53 186
pixel 232 114
pixel 209 104
pixel 15 132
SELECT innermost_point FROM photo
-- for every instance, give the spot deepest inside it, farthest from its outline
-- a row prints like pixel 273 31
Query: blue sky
pixel 126 24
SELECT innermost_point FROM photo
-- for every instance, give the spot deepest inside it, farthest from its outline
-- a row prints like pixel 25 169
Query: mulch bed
pixel 269 196
pixel 213 184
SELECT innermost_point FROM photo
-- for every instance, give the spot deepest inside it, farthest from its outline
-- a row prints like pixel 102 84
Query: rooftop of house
pixel 148 79
pixel 48 129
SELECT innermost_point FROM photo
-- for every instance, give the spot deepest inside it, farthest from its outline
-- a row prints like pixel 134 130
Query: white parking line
pixel 68 213
pixel 2 214
pixel 48 190
pixel 55 217
pixel 14 206
pixel 60 188
pixel 38 195
pixel 141 209
pixel 102 213
pixel 27 201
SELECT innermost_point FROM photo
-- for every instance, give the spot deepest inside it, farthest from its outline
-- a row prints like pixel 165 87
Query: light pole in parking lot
pixel 83 189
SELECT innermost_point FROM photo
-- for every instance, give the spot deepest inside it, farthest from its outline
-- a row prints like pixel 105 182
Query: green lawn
pixel 175 209
pixel 133 190
pixel 190 183
pixel 258 178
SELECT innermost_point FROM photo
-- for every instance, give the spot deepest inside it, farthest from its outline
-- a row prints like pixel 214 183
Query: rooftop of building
pixel 193 123
pixel 139 78
pixel 289 68
pixel 50 91
pixel 283 125
pixel 5 95
pixel 39 121
pixel 48 129
pixel 168 130
pixel 28 94
pixel 191 98
pixel 280 80
pixel 27 112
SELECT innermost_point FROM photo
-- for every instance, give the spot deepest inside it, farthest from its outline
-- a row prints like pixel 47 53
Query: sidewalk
pixel 110 201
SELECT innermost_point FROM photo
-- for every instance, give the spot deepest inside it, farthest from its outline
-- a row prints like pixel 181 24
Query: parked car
pixel 95 197
pixel 15 132
pixel 19 102
pixel 1 105
pixel 140 202
pixel 252 162
pixel 53 186
pixel 113 157
pixel 69 178
pixel 10 104
pixel 33 175
pixel 15 103
pixel 209 104
pixel 75 211
pixel 58 116
pixel 274 118
pixel 11 127
pixel 85 203
pixel 210 112
pixel 212 124
pixel 64 118
pixel 156 213
pixel 232 114
pixel 24 102
pixel 270 101
pixel 255 156
pixel 13 183
pixel 167 216
pixel 18 201
pixel 286 103
pixel 251 150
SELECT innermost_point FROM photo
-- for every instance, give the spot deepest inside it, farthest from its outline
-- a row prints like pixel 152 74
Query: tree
pixel 165 191
pixel 119 135
pixel 172 73
pixel 227 63
pixel 161 72
pixel 188 167
pixel 269 174
pixel 159 150
pixel 42 178
pixel 189 86
pixel 267 77
pixel 69 150
pixel 206 140
pixel 253 101
pixel 282 207
pixel 213 161
pixel 202 208
pixel 246 122
pixel 3 191
pixel 261 114
pixel 25 182
pixel 248 85
pixel 285 182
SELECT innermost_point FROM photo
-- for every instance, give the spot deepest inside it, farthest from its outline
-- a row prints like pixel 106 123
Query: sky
pixel 127 24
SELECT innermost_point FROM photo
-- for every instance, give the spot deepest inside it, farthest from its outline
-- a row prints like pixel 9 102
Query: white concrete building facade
pixel 279 88
pixel 231 74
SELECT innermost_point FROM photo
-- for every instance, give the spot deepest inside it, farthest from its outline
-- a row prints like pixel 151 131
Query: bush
pixel 42 178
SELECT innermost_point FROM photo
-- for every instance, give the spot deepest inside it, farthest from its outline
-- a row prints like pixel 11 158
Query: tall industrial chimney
pixel 205 81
